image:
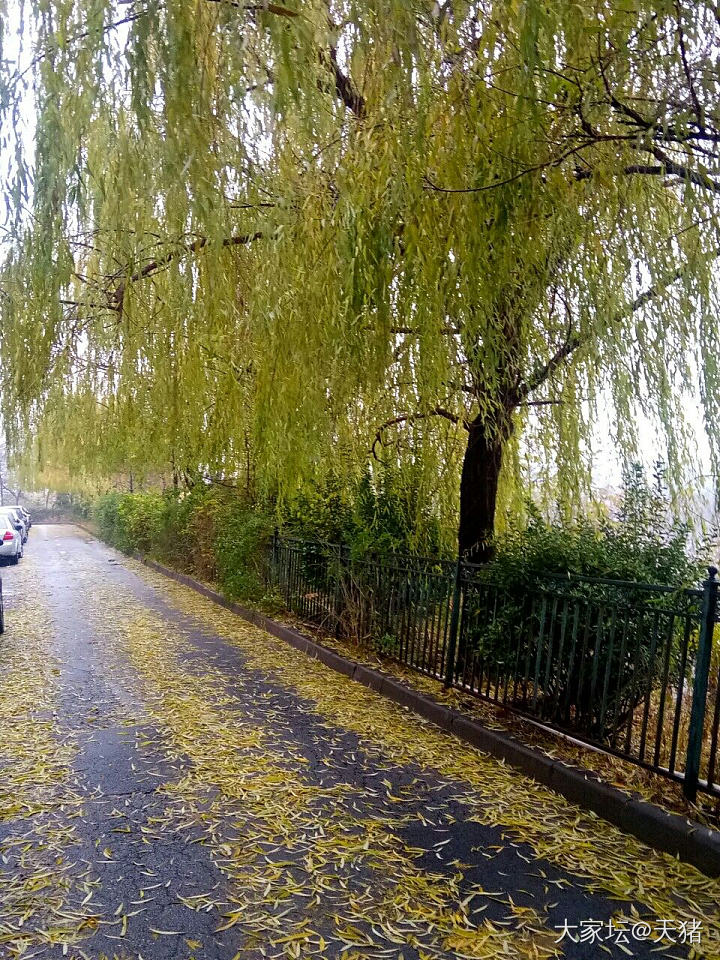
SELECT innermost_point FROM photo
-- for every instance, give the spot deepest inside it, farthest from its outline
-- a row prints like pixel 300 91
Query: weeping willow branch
pixel 407 418
pixel 117 296
pixel 76 38
pixel 368 282
pixel 574 341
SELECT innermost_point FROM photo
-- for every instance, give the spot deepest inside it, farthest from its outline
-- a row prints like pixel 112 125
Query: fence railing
pixel 624 666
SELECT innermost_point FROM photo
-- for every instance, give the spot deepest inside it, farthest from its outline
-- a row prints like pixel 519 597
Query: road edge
pixel 664 831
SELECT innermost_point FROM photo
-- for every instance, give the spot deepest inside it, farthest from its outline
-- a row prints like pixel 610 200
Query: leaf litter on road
pixel 328 812
pixel 45 895
pixel 605 859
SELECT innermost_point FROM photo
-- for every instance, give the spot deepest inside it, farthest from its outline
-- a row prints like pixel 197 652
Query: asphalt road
pixel 176 784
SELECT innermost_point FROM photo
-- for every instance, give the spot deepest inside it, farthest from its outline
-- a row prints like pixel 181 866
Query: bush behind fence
pixel 621 665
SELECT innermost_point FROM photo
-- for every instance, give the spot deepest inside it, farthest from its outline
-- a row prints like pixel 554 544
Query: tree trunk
pixel 478 489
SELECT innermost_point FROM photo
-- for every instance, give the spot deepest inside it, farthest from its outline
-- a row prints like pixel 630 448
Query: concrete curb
pixel 667 832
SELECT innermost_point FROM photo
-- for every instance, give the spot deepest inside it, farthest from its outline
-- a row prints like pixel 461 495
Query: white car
pixel 10 540
pixel 16 517
pixel 25 514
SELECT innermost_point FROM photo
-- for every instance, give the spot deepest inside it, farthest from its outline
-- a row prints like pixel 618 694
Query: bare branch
pixel 680 170
pixel 544 372
pixel 445 332
pixel 686 66
pixel 275 8
pixel 345 88
pixel 412 418
pixel 116 297
pixel 575 340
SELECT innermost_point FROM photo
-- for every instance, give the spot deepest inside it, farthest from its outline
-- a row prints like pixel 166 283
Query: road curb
pixel 667 832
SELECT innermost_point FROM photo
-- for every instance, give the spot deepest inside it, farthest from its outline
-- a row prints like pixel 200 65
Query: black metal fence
pixel 624 666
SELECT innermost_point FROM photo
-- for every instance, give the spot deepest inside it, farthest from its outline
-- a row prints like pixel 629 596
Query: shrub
pixel 106 516
pixel 375 515
pixel 130 521
pixel 241 553
pixel 209 532
pixel 641 544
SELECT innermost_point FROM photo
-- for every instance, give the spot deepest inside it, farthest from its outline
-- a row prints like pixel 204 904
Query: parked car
pixel 17 518
pixel 23 511
pixel 11 542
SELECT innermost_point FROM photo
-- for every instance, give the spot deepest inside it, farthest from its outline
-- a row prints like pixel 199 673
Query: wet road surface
pixel 174 783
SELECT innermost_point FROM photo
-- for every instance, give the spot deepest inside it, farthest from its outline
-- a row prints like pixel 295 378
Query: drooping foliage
pixel 304 240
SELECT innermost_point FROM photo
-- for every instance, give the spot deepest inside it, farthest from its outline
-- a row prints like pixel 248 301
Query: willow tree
pixel 386 230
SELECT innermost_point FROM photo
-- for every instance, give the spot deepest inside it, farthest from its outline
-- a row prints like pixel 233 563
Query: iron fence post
pixel 343 560
pixel 274 558
pixel 700 685
pixel 454 625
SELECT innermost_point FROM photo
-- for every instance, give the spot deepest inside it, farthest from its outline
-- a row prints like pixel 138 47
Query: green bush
pixel 241 553
pixel 130 521
pixel 641 544
pixel 218 535
pixel 209 532
pixel 379 516
pixel 105 515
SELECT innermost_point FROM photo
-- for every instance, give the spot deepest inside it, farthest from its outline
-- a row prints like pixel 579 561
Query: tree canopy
pixel 314 238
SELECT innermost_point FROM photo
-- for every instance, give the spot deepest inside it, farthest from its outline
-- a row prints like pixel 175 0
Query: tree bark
pixel 478 488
